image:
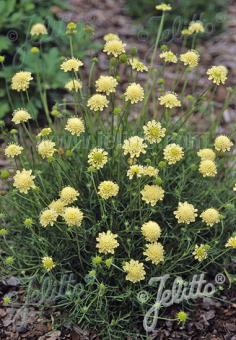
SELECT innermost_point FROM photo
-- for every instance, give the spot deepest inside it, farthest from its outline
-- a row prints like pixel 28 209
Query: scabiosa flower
pixel 48 217
pixel 137 65
pixel 134 146
pixel 151 231
pixel 135 271
pixel 46 148
pixel 218 74
pixel 73 85
pixel 48 263
pixel 223 143
pixel 151 194
pixel 170 100
pixel 154 132
pixel 173 153
pixel 97 158
pixel 135 170
pixel 58 206
pixel 107 189
pixel 114 47
pixel 97 102
pixel 163 7
pixel 106 84
pixel 111 36
pixel 201 252
pixel 169 57
pixel 20 116
pixel 185 213
pixel 44 132
pixel 73 216
pixel 68 195
pixel 186 32
pixel 190 58
pixel 210 216
pixel 75 126
pixel 106 242
pixel 72 64
pixel 134 93
pixel 24 180
pixel 13 150
pixel 208 168
pixel 154 252
pixel 206 154
pixel 181 316
pixel 231 243
pixel 196 27
pixel 150 171
pixel 38 29
pixel 21 80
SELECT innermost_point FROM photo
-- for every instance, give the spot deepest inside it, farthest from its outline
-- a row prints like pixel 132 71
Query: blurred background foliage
pixel 212 13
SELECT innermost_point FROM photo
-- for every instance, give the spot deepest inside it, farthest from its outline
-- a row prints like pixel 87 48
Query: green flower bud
pixel 162 164
pixel 34 50
pixel 123 58
pixel 9 260
pixel 71 28
pixel 92 273
pixel 108 262
pixel 4 174
pixel 13 131
pixel 117 110
pixel 2 58
pixel 69 153
pixel 96 260
pixel 133 51
pixel 164 48
pixel 28 222
pixel 6 300
pixel 158 181
pixel 3 232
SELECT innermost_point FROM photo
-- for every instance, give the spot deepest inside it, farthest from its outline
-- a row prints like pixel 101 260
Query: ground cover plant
pixel 119 187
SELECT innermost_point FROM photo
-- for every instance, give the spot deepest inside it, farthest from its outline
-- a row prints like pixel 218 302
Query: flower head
pixel 75 126
pixel 137 65
pixel 154 132
pixel 72 64
pixel 24 180
pixel 208 168
pixel 154 252
pixel 58 206
pixel 13 150
pixel 223 143
pixel 135 170
pixel 210 216
pixel 134 93
pixel 182 316
pixel 135 271
pixel 97 158
pixel 97 102
pixel 106 242
pixel 48 263
pixel 169 57
pixel 48 217
pixel 114 47
pixel 38 29
pixel 170 100
pixel 111 36
pixel 206 154
pixel 185 213
pixel 200 252
pixel 150 171
pixel 73 85
pixel 20 116
pixel 21 80
pixel 163 7
pixel 106 84
pixel 218 74
pixel 151 194
pixel 173 153
pixel 68 195
pixel 73 216
pixel 107 189
pixel 231 243
pixel 196 27
pixel 134 146
pixel 44 132
pixel 151 231
pixel 46 148
pixel 190 58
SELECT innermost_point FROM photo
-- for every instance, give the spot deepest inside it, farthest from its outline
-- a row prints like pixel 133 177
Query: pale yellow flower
pixel 72 64
pixel 200 252
pixel 46 149
pixel 48 217
pixel 135 170
pixel 13 150
pixel 97 102
pixel 134 93
pixel 137 65
pixel 38 29
pixel 58 206
pixel 68 195
pixel 169 57
pixel 111 36
pixel 154 252
pixel 196 27
pixel 134 146
pixel 190 58
pixel 106 242
pixel 21 80
pixel 206 154
pixel 48 263
pixel 44 132
pixel 218 74
pixel 106 84
pixel 107 189
pixel 135 271
pixel 97 158
pixel 73 85
pixel 151 231
pixel 114 47
pixel 153 132
pixel 150 171
pixel 210 216
pixel 169 100
pixel 223 143
pixel 231 243
pixel 24 180
pixel 151 194
pixel 73 216
pixel 163 7
pixel 185 213
pixel 208 168
pixel 20 116
pixel 173 153
pixel 75 126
